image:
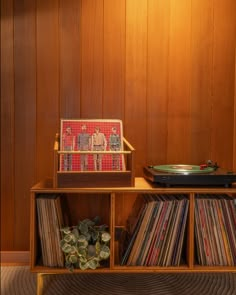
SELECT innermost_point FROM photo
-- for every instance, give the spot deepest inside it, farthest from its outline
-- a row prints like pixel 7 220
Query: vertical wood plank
pixel 223 82
pixel 92 59
pixel 25 115
pixel 157 80
pixel 7 127
pixel 201 80
pixel 47 85
pixel 178 142
pixel 114 59
pixel 136 75
pixel 234 143
pixel 70 55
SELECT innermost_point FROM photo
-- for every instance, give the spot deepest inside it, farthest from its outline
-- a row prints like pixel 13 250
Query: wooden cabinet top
pixel 141 185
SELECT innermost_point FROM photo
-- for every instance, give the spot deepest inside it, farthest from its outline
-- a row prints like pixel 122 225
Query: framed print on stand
pixel 91 145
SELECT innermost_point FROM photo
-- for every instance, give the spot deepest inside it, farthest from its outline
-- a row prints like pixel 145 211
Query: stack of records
pixel 215 230
pixel 156 238
pixel 50 221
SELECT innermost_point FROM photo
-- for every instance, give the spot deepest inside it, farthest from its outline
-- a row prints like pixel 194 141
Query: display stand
pixel 79 179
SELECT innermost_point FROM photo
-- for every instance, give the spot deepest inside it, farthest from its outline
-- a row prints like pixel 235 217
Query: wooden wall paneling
pixel 124 209
pixel 82 207
pixel 47 85
pixel 120 208
pixel 234 143
pixel 25 116
pixel 37 74
pixel 201 80
pixel 223 82
pixel 70 58
pixel 178 144
pixel 7 127
pixel 10 258
pixel 136 74
pixel 157 80
pixel 114 59
pixel 92 59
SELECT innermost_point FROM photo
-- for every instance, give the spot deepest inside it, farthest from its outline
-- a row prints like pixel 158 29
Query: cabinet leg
pixel 39 284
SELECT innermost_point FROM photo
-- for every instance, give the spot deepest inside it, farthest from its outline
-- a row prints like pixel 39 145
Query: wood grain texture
pixel 92 59
pixel 25 115
pixel 178 112
pixel 82 208
pixel 135 79
pixel 10 258
pixel 223 84
pixel 47 85
pixel 7 126
pixel 157 80
pixel 166 68
pixel 70 58
pixel 201 80
pixel 234 143
pixel 114 59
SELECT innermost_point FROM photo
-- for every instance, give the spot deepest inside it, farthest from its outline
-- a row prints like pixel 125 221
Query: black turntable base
pixel 188 175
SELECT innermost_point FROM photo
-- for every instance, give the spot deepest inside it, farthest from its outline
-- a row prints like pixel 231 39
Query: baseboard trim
pixel 15 257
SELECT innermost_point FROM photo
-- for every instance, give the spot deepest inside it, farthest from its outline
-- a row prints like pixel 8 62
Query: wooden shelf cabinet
pixel 114 205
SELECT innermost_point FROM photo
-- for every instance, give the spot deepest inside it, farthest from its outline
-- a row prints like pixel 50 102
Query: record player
pixel 189 175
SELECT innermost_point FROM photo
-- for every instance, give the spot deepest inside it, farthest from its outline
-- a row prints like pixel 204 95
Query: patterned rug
pixel 18 280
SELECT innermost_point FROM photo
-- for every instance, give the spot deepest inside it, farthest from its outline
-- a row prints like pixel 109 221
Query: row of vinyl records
pixel 157 235
pixel 156 230
pixel 50 220
pixel 215 230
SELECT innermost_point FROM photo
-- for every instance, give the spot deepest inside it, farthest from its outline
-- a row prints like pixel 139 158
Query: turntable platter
pixel 183 169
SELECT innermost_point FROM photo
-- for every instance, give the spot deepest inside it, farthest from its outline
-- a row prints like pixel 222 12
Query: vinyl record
pixel 183 169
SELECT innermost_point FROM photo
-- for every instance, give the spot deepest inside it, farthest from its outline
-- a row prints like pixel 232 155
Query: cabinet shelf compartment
pixel 215 230
pixel 75 207
pixel 154 234
pixel 80 179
